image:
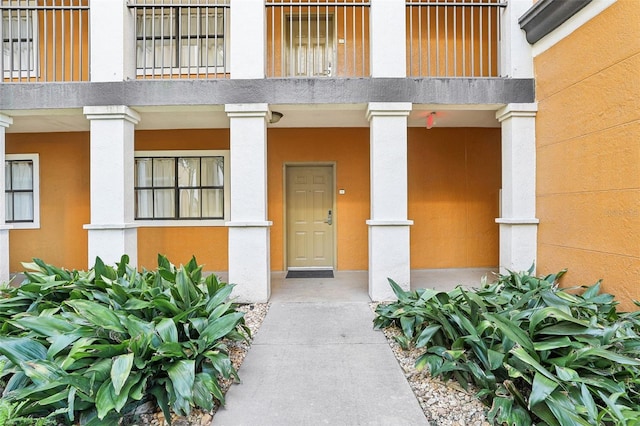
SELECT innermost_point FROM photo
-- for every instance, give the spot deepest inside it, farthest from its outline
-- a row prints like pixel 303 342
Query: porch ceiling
pixel 295 116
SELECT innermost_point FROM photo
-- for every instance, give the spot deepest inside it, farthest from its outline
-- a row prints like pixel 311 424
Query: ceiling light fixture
pixel 275 117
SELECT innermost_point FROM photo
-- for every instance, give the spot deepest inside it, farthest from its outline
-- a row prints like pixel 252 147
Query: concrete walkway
pixel 320 363
pixel 316 360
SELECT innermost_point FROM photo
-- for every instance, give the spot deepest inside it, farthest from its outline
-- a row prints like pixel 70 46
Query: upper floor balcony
pixel 51 40
pixel 44 40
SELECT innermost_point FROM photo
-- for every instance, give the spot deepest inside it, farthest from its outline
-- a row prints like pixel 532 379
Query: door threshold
pixel 310 268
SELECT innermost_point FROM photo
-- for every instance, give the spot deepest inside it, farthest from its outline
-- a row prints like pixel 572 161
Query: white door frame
pixel 285 240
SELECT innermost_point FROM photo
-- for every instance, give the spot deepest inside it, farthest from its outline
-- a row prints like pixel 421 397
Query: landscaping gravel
pixel 146 414
pixel 443 403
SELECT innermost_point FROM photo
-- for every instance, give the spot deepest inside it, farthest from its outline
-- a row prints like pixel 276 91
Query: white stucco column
pixel 5 121
pixel 112 231
pixel 389 255
pixel 249 246
pixel 112 41
pixel 518 223
pixel 388 38
pixel 247 37
pixel 516 57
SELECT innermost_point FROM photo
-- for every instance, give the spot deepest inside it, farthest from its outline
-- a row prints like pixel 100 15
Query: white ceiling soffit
pixel 214 117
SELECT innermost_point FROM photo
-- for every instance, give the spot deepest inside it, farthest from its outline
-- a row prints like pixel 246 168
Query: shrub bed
pixel 89 347
pixel 538 353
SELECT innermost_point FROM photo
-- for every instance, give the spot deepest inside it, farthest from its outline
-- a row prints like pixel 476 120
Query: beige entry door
pixel 310 216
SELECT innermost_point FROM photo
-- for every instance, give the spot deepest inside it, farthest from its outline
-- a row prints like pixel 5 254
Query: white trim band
pixel 5 120
pixel 373 222
pixel 517 110
pixel 109 226
pixel 111 112
pixel 256 224
pixel 388 109
pixel 247 110
pixel 517 221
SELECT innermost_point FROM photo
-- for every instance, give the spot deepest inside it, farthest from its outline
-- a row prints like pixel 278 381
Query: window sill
pixel 179 223
pixel 22 225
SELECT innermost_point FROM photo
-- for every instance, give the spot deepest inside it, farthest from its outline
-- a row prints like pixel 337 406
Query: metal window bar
pixel 181 38
pixel 437 41
pixel 461 38
pixel 44 40
pixel 317 38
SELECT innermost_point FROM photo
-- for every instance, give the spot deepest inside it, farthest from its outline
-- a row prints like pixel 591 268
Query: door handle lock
pixel 329 219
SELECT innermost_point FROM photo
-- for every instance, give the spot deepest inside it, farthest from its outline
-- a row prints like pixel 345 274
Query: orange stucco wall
pixel 454 181
pixel 64 31
pixel 349 149
pixel 588 156
pixel 64 200
pixel 209 243
pixel 454 176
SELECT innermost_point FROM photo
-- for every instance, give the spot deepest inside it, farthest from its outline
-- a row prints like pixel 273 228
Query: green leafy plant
pixel 537 353
pixel 9 416
pixel 90 346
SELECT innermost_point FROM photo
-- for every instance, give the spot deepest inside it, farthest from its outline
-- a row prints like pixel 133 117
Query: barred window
pixel 181 39
pixel 18 28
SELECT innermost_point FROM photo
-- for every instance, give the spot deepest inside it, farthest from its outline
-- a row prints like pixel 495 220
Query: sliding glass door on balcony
pixel 317 38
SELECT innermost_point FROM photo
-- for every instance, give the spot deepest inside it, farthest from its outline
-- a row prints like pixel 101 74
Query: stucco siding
pixel 588 156
pixel 64 200
pixel 454 182
pixel 208 244
pixel 349 150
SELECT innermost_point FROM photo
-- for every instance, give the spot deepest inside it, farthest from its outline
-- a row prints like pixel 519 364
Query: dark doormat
pixel 318 273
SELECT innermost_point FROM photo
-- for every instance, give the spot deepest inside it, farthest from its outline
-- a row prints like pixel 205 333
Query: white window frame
pixel 161 223
pixel 31 68
pixel 35 160
pixel 151 70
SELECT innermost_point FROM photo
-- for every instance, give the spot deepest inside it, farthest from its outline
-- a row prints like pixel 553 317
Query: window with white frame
pixel 19 37
pixel 181 186
pixel 181 38
pixel 22 190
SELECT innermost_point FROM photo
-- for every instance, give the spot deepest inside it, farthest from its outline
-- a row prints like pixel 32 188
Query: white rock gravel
pixel 443 403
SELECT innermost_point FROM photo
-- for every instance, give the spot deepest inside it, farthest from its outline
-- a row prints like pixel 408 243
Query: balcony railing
pixel 181 39
pixel 48 40
pixel 453 38
pixel 317 38
pixel 44 40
